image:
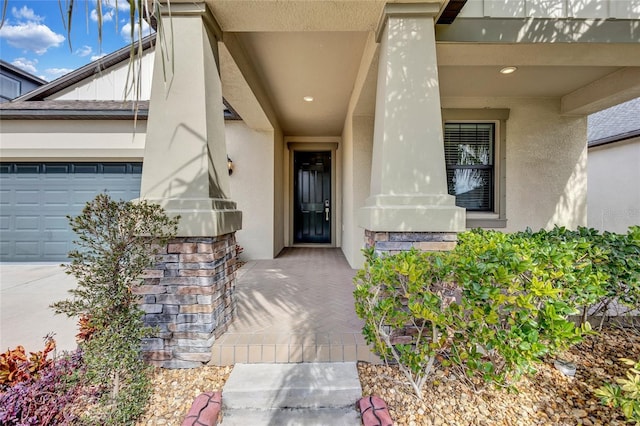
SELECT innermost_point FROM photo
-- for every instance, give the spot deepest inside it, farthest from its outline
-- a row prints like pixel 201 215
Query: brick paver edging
pixel 374 411
pixel 205 410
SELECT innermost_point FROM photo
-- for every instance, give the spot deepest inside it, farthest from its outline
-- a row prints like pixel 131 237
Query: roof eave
pixel 30 114
pixel 615 138
pixel 86 71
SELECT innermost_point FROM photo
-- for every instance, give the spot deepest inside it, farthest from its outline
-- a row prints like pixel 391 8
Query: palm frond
pixel 5 3
pixel 69 20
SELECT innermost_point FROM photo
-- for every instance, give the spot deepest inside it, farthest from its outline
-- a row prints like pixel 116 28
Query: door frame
pixel 313 144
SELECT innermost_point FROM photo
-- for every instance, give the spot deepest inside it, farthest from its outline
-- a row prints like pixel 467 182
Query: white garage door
pixel 35 199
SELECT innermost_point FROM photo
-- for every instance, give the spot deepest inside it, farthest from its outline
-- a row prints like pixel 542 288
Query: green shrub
pixel 622 265
pixel 626 394
pixel 491 308
pixel 114 248
pixel 519 291
pixel 616 257
pixel 405 293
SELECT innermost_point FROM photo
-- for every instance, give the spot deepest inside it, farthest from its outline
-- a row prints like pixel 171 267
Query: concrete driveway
pixel 26 291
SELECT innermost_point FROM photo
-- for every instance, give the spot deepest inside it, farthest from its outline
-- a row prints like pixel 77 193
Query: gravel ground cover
pixel 548 398
pixel 175 390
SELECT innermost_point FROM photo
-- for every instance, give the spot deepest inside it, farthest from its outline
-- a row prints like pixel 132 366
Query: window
pixel 469 154
pixel 9 87
pixel 475 157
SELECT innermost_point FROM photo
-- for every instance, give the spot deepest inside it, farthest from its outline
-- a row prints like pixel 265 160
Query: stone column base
pixel 190 297
pixel 395 242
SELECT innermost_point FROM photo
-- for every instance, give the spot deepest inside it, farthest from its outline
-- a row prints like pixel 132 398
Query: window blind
pixel 469 157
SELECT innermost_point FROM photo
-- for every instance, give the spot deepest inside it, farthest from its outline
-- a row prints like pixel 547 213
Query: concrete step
pixel 292 394
pixel 292 417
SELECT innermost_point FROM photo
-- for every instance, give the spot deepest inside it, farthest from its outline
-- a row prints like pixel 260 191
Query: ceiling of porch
pixel 284 51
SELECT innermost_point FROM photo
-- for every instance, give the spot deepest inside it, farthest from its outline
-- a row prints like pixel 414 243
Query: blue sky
pixel 34 37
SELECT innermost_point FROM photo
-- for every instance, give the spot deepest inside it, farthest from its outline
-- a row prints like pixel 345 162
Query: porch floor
pixel 295 308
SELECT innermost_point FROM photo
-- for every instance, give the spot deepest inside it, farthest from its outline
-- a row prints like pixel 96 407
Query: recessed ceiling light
pixel 508 70
pixel 308 98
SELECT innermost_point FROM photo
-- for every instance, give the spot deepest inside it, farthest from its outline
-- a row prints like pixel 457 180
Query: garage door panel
pixel 27 223
pixel 27 198
pixel 55 197
pixel 28 249
pixel 80 197
pixel 55 177
pixel 85 177
pixel 56 249
pixel 26 181
pixel 56 223
pixel 122 195
pixel 6 195
pixel 34 205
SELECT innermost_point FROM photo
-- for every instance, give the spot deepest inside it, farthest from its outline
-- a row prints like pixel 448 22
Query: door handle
pixel 326 210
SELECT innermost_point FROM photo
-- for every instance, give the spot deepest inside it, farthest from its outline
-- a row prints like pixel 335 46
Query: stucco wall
pixel 357 146
pixel 104 140
pixel 252 187
pixel 613 196
pixel 586 9
pixel 546 171
pixel 252 183
pixel 278 187
pixel 113 84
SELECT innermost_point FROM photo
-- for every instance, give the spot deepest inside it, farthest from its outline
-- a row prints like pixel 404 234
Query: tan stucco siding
pixel 64 140
pixel 613 197
pixel 357 149
pixel 114 84
pixel 586 9
pixel 546 170
pixel 252 188
pixel 252 184
pixel 278 186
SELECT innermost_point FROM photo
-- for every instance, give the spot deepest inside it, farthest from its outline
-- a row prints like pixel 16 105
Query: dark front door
pixel 312 197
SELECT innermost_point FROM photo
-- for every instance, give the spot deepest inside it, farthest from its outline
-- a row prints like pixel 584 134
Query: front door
pixel 312 197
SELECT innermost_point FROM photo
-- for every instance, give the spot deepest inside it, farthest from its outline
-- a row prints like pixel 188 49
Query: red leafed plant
pixel 16 367
pixel 85 329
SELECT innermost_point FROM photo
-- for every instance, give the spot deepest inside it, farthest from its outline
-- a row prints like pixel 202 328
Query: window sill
pixel 485 221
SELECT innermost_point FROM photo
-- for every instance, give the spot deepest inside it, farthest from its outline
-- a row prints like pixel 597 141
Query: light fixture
pixel 308 98
pixel 508 70
pixel 230 165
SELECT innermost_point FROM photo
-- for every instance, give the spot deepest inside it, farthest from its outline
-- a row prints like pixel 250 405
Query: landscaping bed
pixel 175 390
pixel 547 398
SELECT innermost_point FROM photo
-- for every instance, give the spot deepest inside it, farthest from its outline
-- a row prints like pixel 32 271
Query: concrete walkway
pixel 26 291
pixel 296 308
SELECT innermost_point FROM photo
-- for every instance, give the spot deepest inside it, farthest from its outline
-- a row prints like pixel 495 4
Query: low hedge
pixel 495 305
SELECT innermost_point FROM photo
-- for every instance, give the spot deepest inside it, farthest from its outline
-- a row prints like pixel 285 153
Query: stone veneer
pixel 190 297
pixel 395 242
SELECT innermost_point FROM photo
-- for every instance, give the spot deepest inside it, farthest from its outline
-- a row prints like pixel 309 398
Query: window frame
pixel 497 217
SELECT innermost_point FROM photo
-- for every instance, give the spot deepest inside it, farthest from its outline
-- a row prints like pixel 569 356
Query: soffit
pixel 318 64
pixel 301 15
pixel 527 81
pixel 298 48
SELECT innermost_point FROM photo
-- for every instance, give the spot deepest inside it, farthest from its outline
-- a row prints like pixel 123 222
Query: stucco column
pixel 408 177
pixel 185 159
